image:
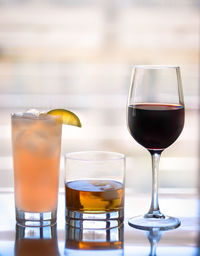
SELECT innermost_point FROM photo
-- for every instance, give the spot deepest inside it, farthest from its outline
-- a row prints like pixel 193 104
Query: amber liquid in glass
pixel 94 196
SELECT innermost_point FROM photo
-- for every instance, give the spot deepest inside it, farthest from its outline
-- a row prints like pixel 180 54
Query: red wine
pixel 155 126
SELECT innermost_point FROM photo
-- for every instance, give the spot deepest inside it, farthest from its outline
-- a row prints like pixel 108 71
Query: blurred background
pixel 78 55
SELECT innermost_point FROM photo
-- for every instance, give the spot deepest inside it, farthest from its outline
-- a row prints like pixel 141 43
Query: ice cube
pixel 31 113
pixel 102 185
pixel 42 114
pixel 110 195
pixel 36 141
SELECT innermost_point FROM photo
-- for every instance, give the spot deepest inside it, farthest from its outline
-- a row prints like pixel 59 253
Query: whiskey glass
pixel 94 189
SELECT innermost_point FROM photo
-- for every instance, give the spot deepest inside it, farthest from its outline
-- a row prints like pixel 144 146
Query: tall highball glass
pixel 36 145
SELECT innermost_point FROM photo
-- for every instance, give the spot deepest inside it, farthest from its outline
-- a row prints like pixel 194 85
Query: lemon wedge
pixel 66 116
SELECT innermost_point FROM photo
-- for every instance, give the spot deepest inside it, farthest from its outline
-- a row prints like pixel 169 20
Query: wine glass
pixel 155 117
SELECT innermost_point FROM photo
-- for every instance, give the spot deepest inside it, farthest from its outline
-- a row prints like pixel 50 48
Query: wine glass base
pixel 140 222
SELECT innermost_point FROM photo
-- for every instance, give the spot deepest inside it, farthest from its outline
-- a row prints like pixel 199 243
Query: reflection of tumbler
pixel 40 241
pixel 98 241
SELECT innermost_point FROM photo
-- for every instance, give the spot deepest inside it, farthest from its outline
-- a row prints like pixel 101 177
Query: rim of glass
pixel 89 156
pixel 19 115
pixel 156 66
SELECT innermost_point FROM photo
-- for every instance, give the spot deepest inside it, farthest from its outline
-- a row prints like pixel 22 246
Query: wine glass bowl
pixel 155 125
pixel 155 119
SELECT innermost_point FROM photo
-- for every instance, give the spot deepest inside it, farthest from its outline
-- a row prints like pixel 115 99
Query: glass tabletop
pixel 124 240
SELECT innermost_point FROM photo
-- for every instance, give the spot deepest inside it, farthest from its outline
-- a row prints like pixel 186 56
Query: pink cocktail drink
pixel 36 141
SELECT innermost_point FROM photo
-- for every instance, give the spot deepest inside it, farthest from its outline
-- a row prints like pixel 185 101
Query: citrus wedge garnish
pixel 66 116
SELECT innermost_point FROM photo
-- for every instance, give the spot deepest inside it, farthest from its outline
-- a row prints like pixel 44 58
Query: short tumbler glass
pixel 94 189
pixel 36 143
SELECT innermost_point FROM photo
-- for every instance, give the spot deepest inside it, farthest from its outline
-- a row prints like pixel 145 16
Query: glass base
pixel 94 220
pixel 35 219
pixel 144 223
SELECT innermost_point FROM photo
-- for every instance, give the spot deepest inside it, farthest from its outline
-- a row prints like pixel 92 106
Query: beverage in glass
pixel 94 189
pixel 155 118
pixel 36 143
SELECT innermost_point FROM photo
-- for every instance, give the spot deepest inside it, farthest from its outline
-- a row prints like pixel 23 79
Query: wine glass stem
pixel 154 210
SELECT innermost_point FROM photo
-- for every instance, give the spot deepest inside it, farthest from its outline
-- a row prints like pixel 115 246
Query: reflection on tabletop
pixel 177 242
pixel 40 241
pixel 94 241
pixel 154 236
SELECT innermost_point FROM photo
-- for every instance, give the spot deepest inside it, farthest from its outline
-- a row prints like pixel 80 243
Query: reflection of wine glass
pixel 40 241
pixel 154 236
pixel 155 120
pixel 82 242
